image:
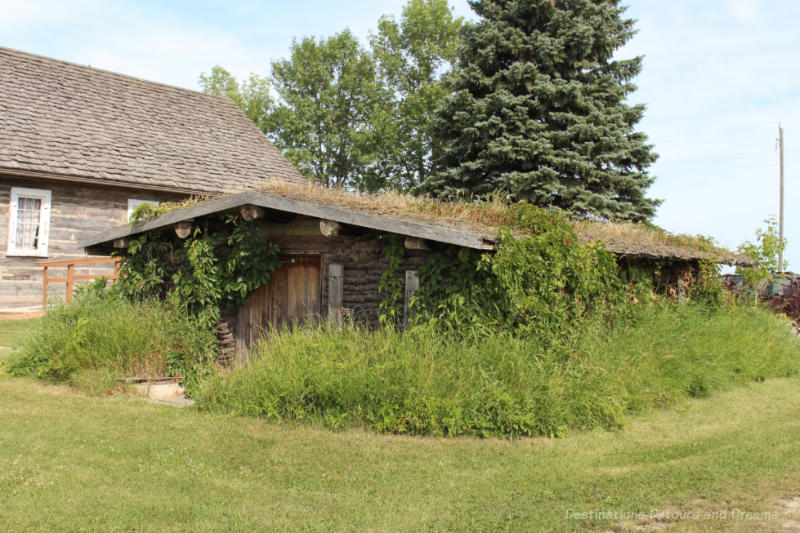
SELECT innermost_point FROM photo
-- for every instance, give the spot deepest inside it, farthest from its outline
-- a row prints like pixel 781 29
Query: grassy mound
pixel 421 382
pixel 102 336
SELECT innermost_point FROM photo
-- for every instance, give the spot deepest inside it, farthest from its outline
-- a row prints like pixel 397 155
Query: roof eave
pixel 384 223
pixel 376 222
pixel 35 174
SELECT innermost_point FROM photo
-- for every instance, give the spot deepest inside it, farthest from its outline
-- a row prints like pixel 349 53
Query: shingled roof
pixel 59 119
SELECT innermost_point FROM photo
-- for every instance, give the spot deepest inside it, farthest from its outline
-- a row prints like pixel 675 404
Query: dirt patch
pixel 656 521
pixel 789 509
pixel 781 516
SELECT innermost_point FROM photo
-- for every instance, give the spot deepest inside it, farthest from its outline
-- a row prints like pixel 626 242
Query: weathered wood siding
pixel 363 260
pixel 77 212
pixel 292 295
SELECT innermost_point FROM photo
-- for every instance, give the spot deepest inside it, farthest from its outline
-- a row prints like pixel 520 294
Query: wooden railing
pixel 72 277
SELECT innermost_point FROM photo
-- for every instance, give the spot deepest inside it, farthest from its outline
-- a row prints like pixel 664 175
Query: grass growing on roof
pixel 422 382
pixel 482 217
pixel 489 215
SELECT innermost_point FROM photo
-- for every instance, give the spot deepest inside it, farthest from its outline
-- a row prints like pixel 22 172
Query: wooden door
pixel 291 296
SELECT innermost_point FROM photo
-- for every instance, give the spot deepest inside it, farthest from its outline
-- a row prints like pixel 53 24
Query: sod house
pixel 332 246
pixel 81 147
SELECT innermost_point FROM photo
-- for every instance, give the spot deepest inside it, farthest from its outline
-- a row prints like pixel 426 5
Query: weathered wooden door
pixel 291 296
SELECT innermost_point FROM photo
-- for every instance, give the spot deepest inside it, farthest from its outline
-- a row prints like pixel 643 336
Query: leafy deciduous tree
pixel 412 55
pixel 252 95
pixel 766 249
pixel 329 94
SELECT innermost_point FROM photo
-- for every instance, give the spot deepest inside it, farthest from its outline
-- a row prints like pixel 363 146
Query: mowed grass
pixel 11 330
pixel 73 462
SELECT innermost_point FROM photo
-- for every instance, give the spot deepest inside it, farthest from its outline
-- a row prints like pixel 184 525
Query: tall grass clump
pixel 103 335
pixel 421 382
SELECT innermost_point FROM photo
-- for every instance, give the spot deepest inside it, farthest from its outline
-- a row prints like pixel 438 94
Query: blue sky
pixel 718 77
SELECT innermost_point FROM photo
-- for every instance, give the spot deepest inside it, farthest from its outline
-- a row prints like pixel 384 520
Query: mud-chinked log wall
pixel 363 261
pixel 362 257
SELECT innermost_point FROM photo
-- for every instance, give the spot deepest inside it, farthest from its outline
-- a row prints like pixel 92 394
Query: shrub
pixel 422 382
pixel 538 284
pixel 104 334
pixel 212 267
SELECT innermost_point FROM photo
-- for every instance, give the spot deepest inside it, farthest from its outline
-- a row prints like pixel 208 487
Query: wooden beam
pixel 384 223
pixel 329 228
pixel 252 212
pixel 335 293
pixel 122 242
pixel 412 284
pixel 226 203
pixel 414 243
pixel 183 229
pixel 89 261
pixel 44 289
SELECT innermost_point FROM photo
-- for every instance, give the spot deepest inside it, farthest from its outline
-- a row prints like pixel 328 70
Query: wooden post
pixel 780 219
pixel 44 290
pixel 335 293
pixel 117 261
pixel 412 284
pixel 70 281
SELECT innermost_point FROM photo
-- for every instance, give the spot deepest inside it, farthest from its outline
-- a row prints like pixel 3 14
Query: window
pixel 132 204
pixel 29 222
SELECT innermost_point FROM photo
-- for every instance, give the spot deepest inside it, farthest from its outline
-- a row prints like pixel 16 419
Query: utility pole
pixel 780 217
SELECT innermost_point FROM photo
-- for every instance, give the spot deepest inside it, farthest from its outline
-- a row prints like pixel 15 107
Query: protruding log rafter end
pixel 414 243
pixel 252 212
pixel 330 228
pixel 183 229
pixel 121 243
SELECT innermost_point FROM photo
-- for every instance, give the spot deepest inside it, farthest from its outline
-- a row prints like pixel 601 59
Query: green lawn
pixel 74 462
pixel 11 330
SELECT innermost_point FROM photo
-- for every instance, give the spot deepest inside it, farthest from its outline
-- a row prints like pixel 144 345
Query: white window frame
pixel 133 203
pixel 44 221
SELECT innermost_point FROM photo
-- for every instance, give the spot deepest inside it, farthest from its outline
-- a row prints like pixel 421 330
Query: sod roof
pixel 473 225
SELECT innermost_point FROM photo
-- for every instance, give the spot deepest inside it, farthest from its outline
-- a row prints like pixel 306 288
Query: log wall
pixel 77 212
pixel 363 262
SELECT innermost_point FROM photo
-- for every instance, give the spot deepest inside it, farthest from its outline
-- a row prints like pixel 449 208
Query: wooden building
pixel 333 254
pixel 81 147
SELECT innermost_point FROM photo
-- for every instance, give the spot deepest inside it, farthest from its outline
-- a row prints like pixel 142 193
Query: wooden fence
pixel 72 277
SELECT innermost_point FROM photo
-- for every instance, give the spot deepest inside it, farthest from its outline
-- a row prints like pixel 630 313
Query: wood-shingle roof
pixel 60 119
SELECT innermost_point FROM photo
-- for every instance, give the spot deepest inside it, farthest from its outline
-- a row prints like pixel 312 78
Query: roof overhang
pixel 384 223
pixel 33 174
pixel 440 233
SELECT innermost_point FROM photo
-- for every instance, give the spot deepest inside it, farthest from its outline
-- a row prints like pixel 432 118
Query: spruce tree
pixel 538 112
